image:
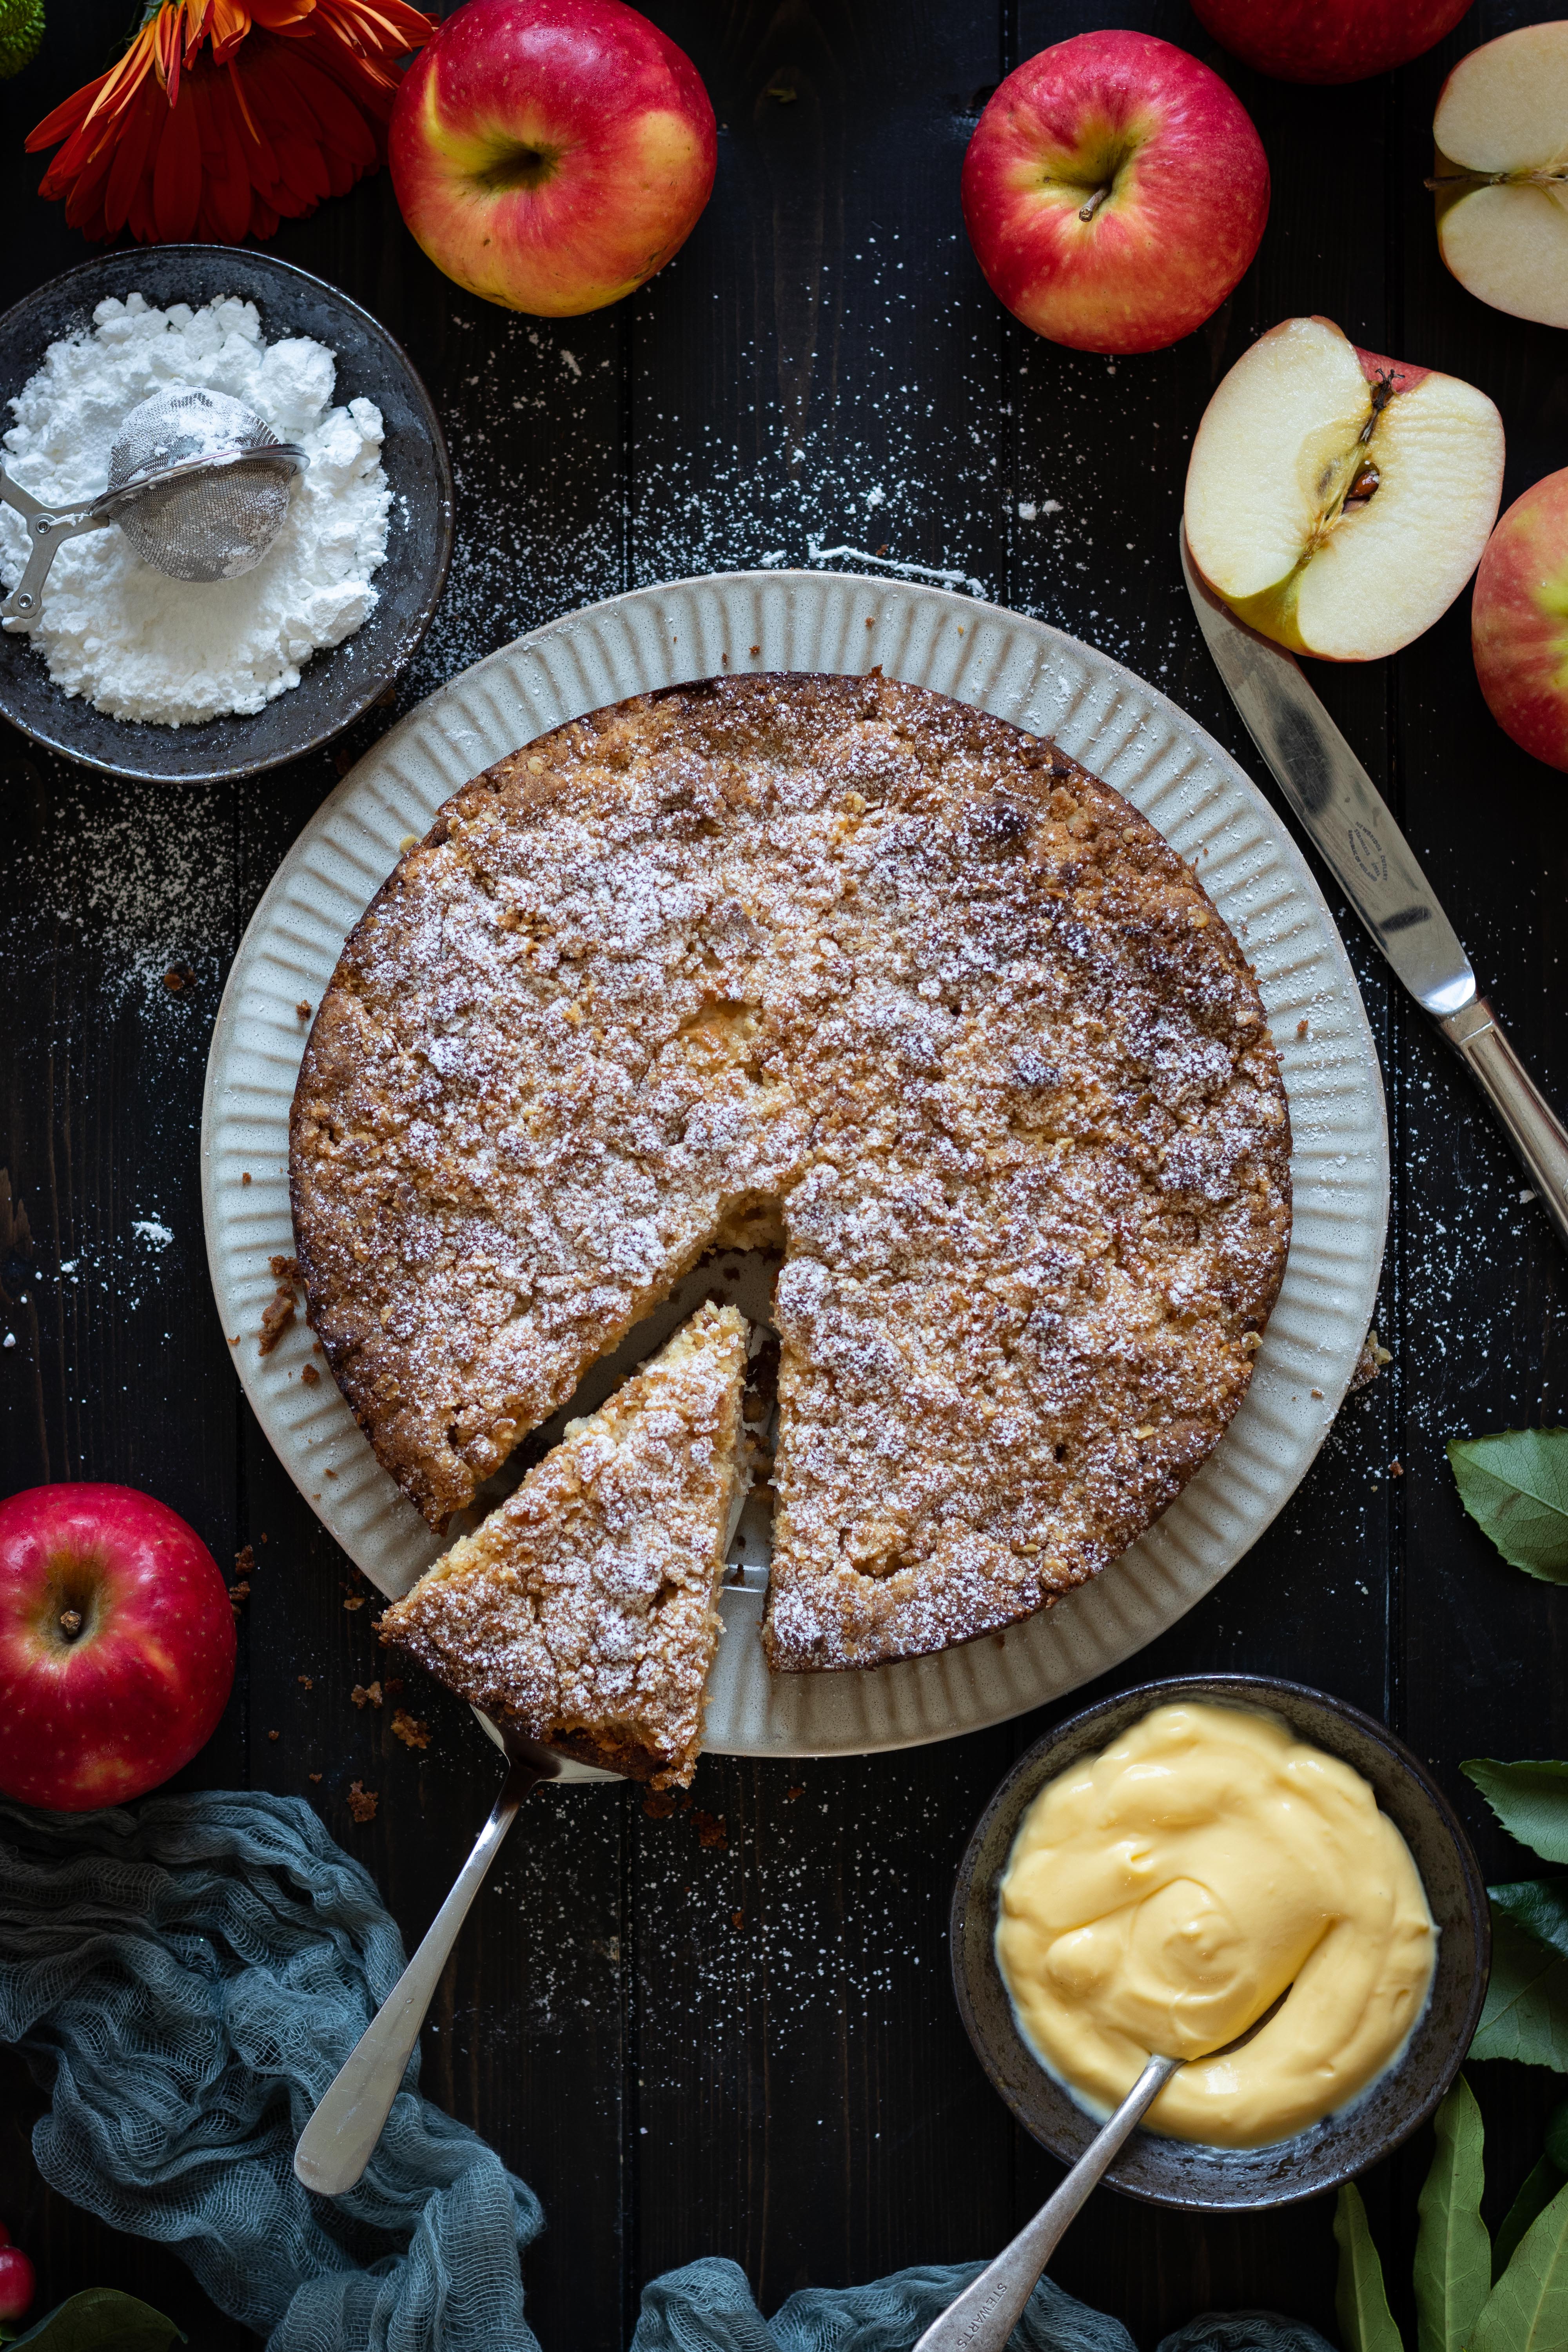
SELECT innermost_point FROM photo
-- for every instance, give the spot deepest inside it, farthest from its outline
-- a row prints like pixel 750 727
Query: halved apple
pixel 1501 175
pixel 1337 500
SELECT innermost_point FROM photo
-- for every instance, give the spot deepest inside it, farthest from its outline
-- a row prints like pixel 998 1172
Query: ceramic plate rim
pixel 930 636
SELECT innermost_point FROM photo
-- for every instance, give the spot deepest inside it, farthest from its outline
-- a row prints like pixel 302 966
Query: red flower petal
pixel 132 149
pixel 177 173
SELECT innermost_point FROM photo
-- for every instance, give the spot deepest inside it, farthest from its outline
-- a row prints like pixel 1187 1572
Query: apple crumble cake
pixel 585 1611
pixel 838 963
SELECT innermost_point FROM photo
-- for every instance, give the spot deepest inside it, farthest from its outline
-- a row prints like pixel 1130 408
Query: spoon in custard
pixel 984 2316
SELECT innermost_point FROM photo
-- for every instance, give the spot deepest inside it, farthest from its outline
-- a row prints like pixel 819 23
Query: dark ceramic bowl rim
pixel 1221 2176
pixel 398 651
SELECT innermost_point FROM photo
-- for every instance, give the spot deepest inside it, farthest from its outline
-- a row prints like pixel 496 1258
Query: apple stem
pixel 70 1623
pixel 1087 212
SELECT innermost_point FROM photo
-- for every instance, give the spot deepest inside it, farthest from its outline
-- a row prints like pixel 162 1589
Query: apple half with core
pixel 550 154
pixel 1328 40
pixel 1519 622
pixel 116 1645
pixel 1114 192
pixel 1339 501
pixel 1502 172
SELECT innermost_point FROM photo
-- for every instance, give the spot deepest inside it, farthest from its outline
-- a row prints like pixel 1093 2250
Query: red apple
pixel 1328 40
pixel 1114 192
pixel 18 2284
pixel 552 154
pixel 1519 622
pixel 116 1645
pixel 1337 500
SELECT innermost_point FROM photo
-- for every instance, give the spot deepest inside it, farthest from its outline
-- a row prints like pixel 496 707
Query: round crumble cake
pixel 839 963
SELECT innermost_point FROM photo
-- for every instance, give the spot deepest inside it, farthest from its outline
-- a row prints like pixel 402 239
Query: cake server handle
pixel 1528 1120
pixel 48 528
pixel 984 2316
pixel 340 2140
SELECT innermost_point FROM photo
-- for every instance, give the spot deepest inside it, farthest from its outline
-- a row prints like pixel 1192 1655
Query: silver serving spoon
pixel 986 2313
pixel 983 2317
pixel 340 2138
pixel 197 482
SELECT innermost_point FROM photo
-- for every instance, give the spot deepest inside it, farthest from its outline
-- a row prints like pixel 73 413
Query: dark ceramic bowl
pixel 1178 2172
pixel 338 684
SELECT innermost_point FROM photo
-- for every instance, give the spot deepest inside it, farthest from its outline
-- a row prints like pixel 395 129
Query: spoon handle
pixel 340 2138
pixel 984 2316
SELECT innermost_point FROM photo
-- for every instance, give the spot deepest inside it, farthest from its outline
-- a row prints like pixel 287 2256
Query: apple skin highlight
pixel 1162 155
pixel 1519 622
pixel 551 156
pixel 101 1716
pixel 1327 41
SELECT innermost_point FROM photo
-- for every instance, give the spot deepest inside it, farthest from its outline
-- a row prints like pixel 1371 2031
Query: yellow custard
pixel 1161 1896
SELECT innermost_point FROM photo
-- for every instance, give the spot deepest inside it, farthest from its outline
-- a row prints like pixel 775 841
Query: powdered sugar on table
pixel 137 644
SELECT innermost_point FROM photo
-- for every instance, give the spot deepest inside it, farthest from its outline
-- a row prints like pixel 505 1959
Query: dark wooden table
pixel 738 2036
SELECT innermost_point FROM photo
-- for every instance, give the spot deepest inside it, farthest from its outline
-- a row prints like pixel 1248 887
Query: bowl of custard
pixel 1244 1874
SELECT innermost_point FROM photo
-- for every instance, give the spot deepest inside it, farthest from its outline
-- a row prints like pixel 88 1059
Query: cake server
pixel 1352 832
pixel 340 2138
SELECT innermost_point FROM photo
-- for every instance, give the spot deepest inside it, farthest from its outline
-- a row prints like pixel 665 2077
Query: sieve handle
pixel 48 527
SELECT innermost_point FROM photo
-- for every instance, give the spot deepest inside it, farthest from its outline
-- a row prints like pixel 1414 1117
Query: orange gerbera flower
pixel 224 115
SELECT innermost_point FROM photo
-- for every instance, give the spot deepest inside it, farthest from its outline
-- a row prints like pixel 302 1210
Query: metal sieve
pixel 197 482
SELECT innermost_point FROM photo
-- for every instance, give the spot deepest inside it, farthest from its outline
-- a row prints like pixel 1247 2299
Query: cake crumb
pixel 303 1010
pixel 275 1735
pixel 363 1801
pixel 366 1694
pixel 309 1375
pixel 355 1600
pixel 306 1682
pixel 411 1729
pixel 312 1776
pixel 660 1804
pixel 275 1321
pixel 712 1829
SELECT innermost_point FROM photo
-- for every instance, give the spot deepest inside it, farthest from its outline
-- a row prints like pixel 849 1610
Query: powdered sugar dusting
pixel 844 960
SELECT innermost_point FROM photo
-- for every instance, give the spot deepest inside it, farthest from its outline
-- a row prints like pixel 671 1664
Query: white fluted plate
pixel 1043 681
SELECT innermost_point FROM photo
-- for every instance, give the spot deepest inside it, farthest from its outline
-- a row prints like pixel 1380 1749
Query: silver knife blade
pixel 1338 803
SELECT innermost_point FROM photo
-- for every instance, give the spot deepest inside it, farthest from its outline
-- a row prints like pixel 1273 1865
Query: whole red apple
pixel 1519 622
pixel 1114 192
pixel 116 1645
pixel 18 2284
pixel 552 154
pixel 1328 40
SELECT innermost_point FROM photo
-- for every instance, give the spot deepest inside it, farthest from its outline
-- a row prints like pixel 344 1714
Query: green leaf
pixel 1540 2186
pixel 1531 1801
pixel 1453 2252
pixel 1526 2012
pixel 1515 1486
pixel 102 2319
pixel 1539 1904
pixel 1527 2311
pixel 1361 2305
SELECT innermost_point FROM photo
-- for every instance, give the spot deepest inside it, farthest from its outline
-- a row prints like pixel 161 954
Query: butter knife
pixel 1352 832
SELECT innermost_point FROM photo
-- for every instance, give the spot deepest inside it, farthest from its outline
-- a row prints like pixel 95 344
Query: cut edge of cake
pixel 584 1611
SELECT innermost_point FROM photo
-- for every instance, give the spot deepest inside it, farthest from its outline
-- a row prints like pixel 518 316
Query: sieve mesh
pixel 212 525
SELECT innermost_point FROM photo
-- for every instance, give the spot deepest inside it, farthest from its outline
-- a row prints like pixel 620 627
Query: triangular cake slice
pixel 584 1609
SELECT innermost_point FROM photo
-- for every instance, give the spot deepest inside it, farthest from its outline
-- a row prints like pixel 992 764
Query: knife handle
pixel 1528 1120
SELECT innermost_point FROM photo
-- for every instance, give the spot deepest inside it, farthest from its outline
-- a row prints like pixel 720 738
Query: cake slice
pixel 585 1611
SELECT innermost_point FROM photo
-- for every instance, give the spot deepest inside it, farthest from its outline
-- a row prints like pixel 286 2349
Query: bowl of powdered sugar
pixel 165 679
